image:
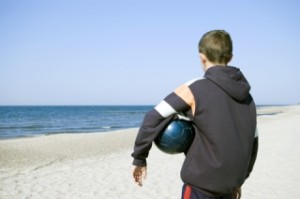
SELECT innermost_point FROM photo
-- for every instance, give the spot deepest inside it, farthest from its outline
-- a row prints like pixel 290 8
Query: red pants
pixel 189 193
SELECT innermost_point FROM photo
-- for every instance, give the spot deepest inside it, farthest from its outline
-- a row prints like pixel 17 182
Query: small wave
pixel 106 127
pixel 112 127
pixel 25 127
pixel 267 114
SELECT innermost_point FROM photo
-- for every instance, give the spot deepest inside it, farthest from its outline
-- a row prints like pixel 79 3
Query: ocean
pixel 29 121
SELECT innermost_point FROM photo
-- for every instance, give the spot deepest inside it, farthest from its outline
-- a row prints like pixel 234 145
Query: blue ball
pixel 176 138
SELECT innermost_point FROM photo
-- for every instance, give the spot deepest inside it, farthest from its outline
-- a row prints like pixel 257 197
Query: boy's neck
pixel 209 64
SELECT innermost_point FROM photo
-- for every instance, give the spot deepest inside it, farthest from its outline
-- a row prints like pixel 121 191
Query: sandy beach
pixel 98 165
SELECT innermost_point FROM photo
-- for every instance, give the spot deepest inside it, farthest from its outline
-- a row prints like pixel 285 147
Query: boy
pixel 223 113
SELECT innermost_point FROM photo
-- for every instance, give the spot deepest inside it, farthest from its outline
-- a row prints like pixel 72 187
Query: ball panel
pixel 176 138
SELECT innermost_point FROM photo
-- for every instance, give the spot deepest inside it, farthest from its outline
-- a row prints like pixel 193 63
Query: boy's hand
pixel 237 193
pixel 139 173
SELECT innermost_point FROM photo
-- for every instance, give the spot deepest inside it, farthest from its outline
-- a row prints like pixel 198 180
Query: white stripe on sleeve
pixel 256 133
pixel 165 109
pixel 193 80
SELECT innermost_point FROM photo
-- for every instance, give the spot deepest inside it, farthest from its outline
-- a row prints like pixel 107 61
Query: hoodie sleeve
pixel 181 100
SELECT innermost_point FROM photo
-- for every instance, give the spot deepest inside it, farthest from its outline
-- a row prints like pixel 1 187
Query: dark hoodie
pixel 223 112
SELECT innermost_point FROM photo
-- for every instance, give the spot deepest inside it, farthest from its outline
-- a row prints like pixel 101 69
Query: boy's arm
pixel 181 100
pixel 153 124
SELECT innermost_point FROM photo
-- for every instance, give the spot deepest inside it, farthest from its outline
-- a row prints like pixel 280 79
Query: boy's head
pixel 216 45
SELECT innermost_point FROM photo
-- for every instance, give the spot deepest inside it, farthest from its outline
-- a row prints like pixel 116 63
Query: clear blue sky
pixel 136 52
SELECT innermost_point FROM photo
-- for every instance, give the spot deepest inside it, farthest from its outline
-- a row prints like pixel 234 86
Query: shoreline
pixel 57 134
pixel 98 165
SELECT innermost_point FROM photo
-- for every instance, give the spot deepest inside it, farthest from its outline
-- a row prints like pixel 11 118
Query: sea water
pixel 28 121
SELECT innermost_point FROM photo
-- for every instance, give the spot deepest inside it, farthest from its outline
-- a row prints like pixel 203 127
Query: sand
pixel 98 165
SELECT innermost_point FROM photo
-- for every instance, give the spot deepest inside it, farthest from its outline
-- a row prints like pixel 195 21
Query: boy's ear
pixel 203 58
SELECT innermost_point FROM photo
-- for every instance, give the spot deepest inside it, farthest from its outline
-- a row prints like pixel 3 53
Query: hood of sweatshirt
pixel 231 80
